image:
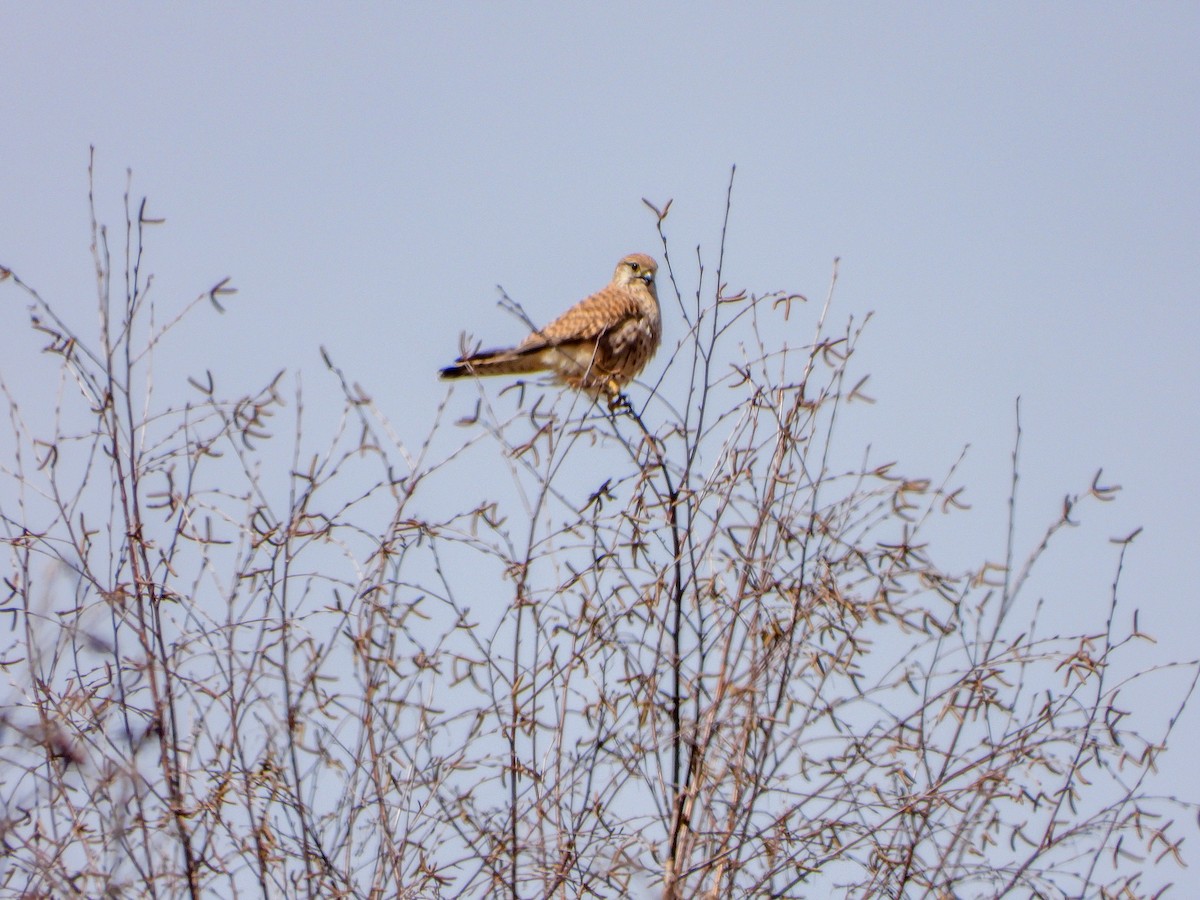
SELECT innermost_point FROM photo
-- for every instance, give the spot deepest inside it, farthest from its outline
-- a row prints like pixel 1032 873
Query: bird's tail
pixel 499 362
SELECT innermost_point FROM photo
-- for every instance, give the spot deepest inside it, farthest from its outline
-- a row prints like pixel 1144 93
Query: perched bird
pixel 598 345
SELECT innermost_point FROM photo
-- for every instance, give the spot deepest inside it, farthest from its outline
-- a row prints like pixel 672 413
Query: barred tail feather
pixel 499 362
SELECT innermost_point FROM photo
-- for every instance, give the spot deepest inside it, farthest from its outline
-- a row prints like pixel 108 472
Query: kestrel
pixel 599 345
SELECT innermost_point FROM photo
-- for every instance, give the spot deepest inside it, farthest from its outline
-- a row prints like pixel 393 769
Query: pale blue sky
pixel 1013 189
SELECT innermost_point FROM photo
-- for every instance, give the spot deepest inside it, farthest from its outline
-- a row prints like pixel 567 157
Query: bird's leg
pixel 617 402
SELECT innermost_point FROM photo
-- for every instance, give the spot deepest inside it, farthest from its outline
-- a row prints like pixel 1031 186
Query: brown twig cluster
pixel 675 648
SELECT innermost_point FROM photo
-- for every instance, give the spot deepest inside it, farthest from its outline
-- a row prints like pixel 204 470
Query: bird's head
pixel 636 267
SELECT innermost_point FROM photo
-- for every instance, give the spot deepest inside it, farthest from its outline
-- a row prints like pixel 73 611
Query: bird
pixel 598 345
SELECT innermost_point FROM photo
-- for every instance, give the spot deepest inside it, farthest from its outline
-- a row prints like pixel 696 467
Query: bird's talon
pixel 617 402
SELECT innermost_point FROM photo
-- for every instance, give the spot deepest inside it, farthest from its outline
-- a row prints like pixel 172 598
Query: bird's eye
pixel 633 266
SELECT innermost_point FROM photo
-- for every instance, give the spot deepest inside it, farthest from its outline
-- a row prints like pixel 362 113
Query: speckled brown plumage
pixel 599 344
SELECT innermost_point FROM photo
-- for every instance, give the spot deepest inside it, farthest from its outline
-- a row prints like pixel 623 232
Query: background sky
pixel 1013 191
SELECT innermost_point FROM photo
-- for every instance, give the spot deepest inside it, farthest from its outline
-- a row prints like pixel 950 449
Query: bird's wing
pixel 586 320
